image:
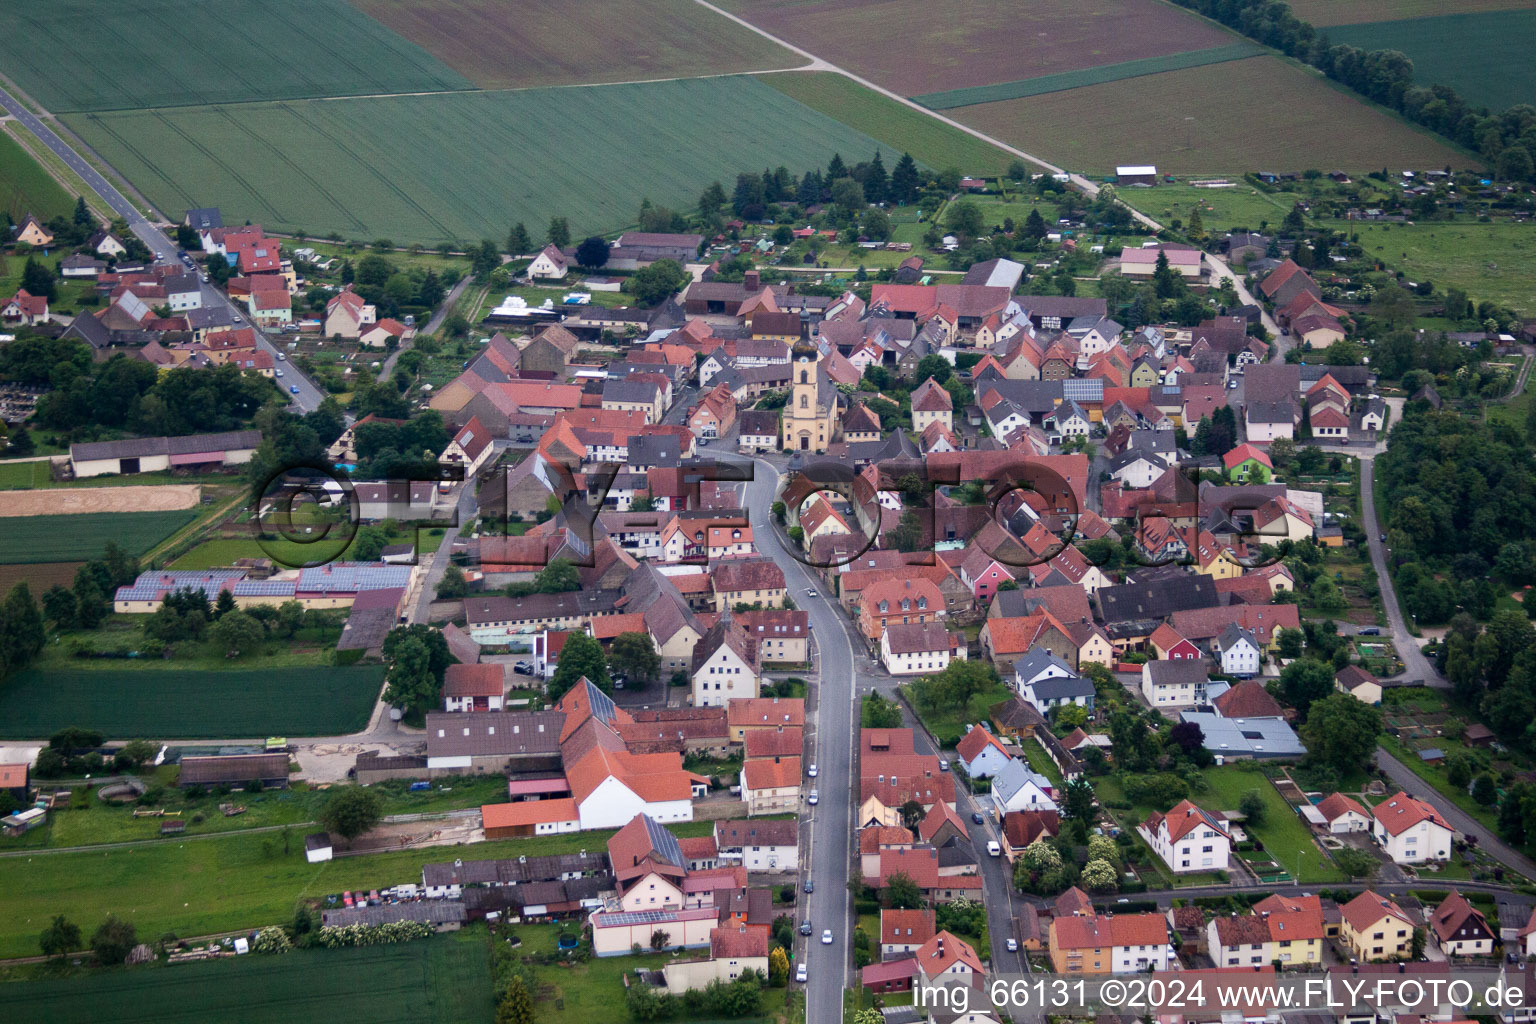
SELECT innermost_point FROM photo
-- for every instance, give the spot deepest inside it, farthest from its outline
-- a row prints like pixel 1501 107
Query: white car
pixel 814 798
pixel 812 772
pixel 1013 945
pixel 278 372
pixel 800 973
pixel 826 937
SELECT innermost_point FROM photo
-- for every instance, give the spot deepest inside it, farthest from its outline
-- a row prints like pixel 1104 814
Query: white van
pixel 994 850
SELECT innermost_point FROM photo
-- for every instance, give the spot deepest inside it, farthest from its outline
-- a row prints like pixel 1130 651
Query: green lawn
pixel 24 476
pixel 1491 262
pixel 159 703
pixel 948 724
pixel 201 887
pixel 339 166
pixel 1286 839
pixel 445 979
pixel 28 539
pixel 26 188
pixel 1221 209
pixel 223 552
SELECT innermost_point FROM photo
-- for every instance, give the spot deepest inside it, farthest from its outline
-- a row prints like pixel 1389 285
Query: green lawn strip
pixel 1040 761
pixel 24 476
pixel 930 141
pixel 1286 839
pixel 1062 81
pixel 948 724
pixel 1221 209
pixel 1493 262
pixel 1483 55
pixel 223 884
pixel 28 187
pixel 1435 776
pixel 444 979
pixel 223 551
pixel 29 539
pixel 159 703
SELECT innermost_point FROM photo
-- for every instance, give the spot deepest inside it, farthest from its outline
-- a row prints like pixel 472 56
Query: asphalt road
pixel 1415 665
pixel 1460 820
pixel 163 247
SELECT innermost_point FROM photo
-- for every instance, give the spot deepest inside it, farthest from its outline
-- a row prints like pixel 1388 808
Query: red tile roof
pixel 1399 813
pixel 1184 818
pixel 1120 930
pixel 474 681
pixel 1336 805
pixel 1365 910
pixel 906 927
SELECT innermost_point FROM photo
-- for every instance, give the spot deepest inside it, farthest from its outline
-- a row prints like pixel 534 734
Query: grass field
pixel 1484 56
pixel 212 554
pixel 25 187
pixel 442 980
pixel 1221 209
pixel 432 168
pixel 1141 120
pixel 1495 262
pixel 498 45
pixel 1349 12
pixel 952 98
pixel 205 886
pixel 955 44
pixel 1285 838
pixel 901 128
pixel 28 539
pixel 73 55
pixel 163 703
pixel 24 476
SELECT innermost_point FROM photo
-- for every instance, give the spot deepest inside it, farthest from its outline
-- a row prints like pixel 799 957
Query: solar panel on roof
pixel 663 841
pixel 602 704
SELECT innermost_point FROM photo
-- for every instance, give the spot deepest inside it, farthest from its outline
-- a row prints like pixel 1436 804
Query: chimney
pixel 752 280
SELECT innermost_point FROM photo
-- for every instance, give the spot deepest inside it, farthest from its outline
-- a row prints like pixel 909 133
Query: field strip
pixel 952 98
pixel 70 501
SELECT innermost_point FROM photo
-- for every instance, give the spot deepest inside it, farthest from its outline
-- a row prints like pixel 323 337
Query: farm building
pixel 152 454
pixel 1182 260
pixel 442 915
pixel 1136 174
pixel 15 779
pixel 271 770
pixel 317 847
pixel 524 818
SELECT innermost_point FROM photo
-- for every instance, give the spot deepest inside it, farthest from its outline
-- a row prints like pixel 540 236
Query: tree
pixel 711 200
pixel 778 966
pixel 880 712
pixel 1355 863
pixel 905 180
pixel 558 577
pixel 1289 643
pixel 592 252
pixel 237 633
pixel 113 941
pixel 516 1006
pixel 633 654
pixel 1187 736
pixel 1034 225
pixel 911 814
pixel 1077 801
pixel 1063 716
pixel 1099 876
pixel 484 258
pixel 60 938
pixel 1341 732
pixel 518 242
pixel 965 219
pixel 1252 806
pixel 657 282
pixel 412 686
pixel 559 233
pixel 1165 283
pixel 903 892
pixel 1303 682
pixel 452 584
pixel 20 442
pixel 224 604
pixel 1485 790
pixel 350 811
pixel 22 631
pixel 581 656
pixel 39 279
pixel 659 939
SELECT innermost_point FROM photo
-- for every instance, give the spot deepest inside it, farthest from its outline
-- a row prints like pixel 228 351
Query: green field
pixel 1221 209
pixel 73 55
pixel 24 476
pixel 185 703
pixel 1062 81
pixel 1485 56
pixel 1349 12
pixel 1285 838
pixel 464 165
pixel 442 980
pixel 1494 262
pixel 25 187
pixel 211 554
pixel 931 142
pixel 1144 121
pixel 28 539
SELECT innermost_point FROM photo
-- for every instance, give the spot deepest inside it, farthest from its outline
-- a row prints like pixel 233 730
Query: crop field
pixel 467 163
pixel 26 188
pixel 1138 121
pixel 1486 57
pixel 441 980
pixel 46 538
pixel 1493 262
pixel 902 129
pixel 956 44
pixel 73 55
pixel 1351 12
pixel 164 703
pixel 499 45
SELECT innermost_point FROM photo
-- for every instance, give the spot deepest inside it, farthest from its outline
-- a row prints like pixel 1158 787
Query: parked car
pixel 805 927
pixel 293 389
pixel 1013 945
pixel 810 593
pixel 525 667
pixel 810 886
pixel 993 849
pixel 800 974
pixel 812 772
pixel 814 798
pixel 976 816
pixel 278 372
pixel 943 765
pixel 282 357
pixel 1371 631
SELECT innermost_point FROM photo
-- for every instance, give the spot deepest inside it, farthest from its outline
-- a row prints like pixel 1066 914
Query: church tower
pixel 810 414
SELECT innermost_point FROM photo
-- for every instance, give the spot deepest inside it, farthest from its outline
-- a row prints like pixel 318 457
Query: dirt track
pixel 69 501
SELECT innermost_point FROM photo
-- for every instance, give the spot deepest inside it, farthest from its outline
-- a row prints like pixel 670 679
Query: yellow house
pixel 33 233
pixel 1375 928
pixel 1282 929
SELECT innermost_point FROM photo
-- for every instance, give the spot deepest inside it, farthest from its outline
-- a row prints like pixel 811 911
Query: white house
pixel 1174 684
pixel 1188 838
pixel 1238 651
pixel 548 265
pixel 474 688
pixel 1410 830
pixel 1068 420
pixel 1343 814
pixel 980 753
pixel 1017 787
pixel 317 847
pixel 1136 469
pixel 765 845
pixel 1460 928
pixel 470 448
pixel 915 648
pixel 723 666
pixel 1036 665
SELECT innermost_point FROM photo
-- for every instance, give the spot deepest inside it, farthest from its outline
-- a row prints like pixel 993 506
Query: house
pixel 1247 699
pixel 1188 838
pixel 1109 944
pixel 1410 830
pixel 1174 684
pixel 1374 928
pixel 1343 814
pixel 1237 651
pixel 725 665
pixel 750 581
pixel 759 845
pixel 1248 464
pixel 901 601
pixel 916 648
pixel 734 949
pixel 474 688
pixel 1168 645
pixel 1182 260
pixel 1358 683
pixel 1018 787
pixel 492 741
pixel 269 307
pixel 382 332
pixel 904 931
pixel 1021 828
pixel 931 403
pixel 1280 929
pixel 771 785
pixel 1460 929
pixel 24 309
pixel 782 636
pixel 347 315
pixel 757 430
pixel 946 960
pixel 15 779
pixel 1046 682
pixel 549 265
pixel 470 448
pixel 32 232
pixel 550 352
pixel 980 753
pixel 1236 739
